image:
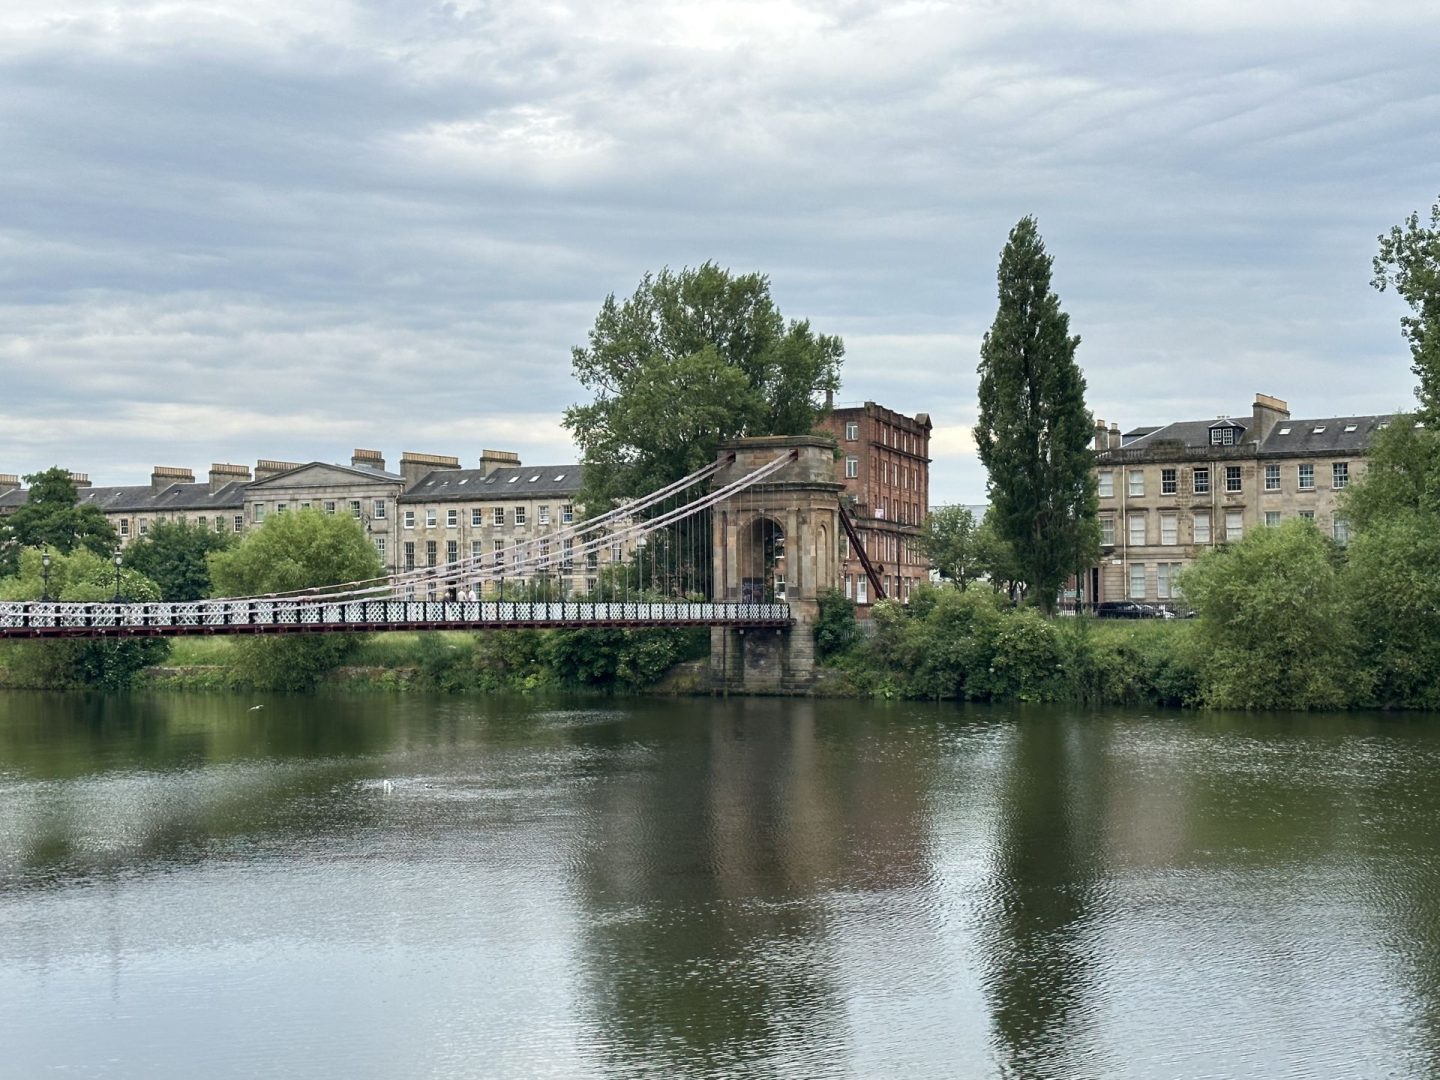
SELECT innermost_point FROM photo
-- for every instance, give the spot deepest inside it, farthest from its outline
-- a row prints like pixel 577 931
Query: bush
pixel 836 628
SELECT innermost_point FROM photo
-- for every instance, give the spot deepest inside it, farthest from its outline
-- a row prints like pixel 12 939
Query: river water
pixel 407 886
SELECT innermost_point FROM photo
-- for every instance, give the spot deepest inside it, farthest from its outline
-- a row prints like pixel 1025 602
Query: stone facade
pixel 884 467
pixel 1168 494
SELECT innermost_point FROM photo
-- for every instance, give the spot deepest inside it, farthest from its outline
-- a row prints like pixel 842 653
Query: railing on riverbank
pixel 311 616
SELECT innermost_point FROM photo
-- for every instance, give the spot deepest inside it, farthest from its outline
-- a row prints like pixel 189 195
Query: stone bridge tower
pixel 776 540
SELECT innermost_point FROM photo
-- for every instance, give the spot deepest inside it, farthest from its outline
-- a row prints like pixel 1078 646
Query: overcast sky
pixel 233 229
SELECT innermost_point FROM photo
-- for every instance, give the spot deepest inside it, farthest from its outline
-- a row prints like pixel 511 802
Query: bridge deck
pixel 101 620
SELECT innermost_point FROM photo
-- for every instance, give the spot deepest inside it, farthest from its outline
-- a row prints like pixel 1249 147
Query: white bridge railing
pixel 215 615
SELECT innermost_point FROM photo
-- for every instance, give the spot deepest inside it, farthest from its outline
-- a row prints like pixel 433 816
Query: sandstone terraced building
pixel 1168 494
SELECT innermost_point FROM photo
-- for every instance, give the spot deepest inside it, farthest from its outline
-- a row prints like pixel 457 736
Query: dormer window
pixel 1349 427
pixel 1284 431
pixel 1319 430
pixel 1222 436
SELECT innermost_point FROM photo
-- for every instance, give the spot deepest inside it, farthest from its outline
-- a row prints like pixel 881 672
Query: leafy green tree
pixel 836 628
pixel 995 558
pixel 53 518
pixel 1034 431
pixel 108 664
pixel 1409 262
pixel 1402 473
pixel 299 550
pixel 174 555
pixel 949 542
pixel 694 357
pixel 1392 587
pixel 1274 627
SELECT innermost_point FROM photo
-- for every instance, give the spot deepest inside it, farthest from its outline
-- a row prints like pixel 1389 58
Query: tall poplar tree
pixel 1034 431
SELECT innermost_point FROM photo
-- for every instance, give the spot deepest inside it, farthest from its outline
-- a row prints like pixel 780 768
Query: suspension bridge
pixel 743 546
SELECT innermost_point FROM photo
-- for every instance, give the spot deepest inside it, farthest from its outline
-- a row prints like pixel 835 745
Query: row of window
pixel 142 525
pixel 519 514
pixel 1166 575
pixel 889 436
pixel 565 555
pixel 1136 530
pixel 1234 482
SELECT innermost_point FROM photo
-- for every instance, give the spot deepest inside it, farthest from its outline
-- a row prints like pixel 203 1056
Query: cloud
pixel 343 223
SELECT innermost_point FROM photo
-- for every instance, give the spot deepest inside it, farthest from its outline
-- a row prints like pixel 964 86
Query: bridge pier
pixel 777 540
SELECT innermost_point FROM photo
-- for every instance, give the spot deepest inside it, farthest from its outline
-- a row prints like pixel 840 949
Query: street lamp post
pixel 45 576
pixel 117 575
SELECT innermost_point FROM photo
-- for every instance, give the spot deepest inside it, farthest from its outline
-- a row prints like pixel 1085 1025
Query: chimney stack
pixel 1115 437
pixel 9 482
pixel 268 467
pixel 80 479
pixel 490 460
pixel 368 459
pixel 1102 437
pixel 161 477
pixel 414 467
pixel 1265 414
pixel 221 474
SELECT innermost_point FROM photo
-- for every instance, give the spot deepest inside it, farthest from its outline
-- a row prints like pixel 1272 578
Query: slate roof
pixel 1328 435
pixel 1189 432
pixel 511 482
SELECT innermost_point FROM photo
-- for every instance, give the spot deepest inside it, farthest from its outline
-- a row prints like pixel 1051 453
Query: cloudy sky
pixel 233 229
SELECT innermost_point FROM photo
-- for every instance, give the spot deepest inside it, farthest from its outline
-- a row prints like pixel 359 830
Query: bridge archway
pixel 760 560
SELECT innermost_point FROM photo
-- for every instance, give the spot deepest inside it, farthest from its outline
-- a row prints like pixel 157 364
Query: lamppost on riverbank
pixel 117 575
pixel 45 576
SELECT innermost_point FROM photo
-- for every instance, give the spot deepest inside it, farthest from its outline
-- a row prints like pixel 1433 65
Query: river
pixel 412 886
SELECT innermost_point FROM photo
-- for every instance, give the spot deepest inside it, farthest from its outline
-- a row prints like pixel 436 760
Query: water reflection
pixel 742 888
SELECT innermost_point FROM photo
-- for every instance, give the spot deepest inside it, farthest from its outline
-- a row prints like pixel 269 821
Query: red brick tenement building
pixel 884 464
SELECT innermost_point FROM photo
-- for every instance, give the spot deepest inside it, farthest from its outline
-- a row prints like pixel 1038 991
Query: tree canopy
pixel 693 358
pixel 1034 431
pixel 1409 262
pixel 53 518
pixel 174 556
pixel 298 550
pixel 949 542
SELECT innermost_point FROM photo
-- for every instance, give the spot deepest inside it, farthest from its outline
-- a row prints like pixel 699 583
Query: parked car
pixel 1123 609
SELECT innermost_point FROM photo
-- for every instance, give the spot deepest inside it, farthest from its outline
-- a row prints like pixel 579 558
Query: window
pixel 1272 518
pixel 477 550
pixel 852 468
pixel 1339 474
pixel 1272 477
pixel 239 523
pixel 280 508
pixel 1232 477
pixel 1234 525
pixel 430 516
pixel 202 521
pixel 1137 529
pixel 1169 529
pixel 1107 531
pixel 329 506
pixel 1137 482
pixel 1200 481
pixel 1340 530
pixel 544 552
pixel 544 517
pixel 497 516
pixel 430 552
pixel 1305 475
pixel 452 551
pixel 845 543
pixel 1137 581
pixel 124 526
pixel 259 513
pixel 1169 481
pixel 567 514
pixel 567 554
pixel 519 515
pixel 1165 575
pixel 499 552
pixel 377 507
pixel 849 586
pixel 592 560
pixel 852 430
pixel 409 519
pixel 380 547
pixel 1202 527
pixel 1307 515
pixel 144 523
pixel 1222 436
pixel 452 518
pixel 355 508
pixel 477 517
pixel 409 554
pixel 862 589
